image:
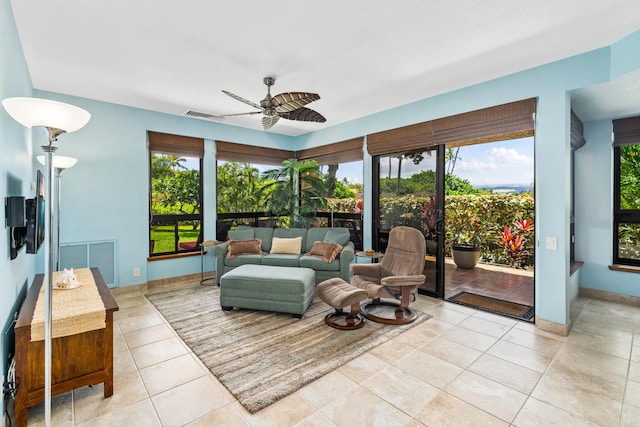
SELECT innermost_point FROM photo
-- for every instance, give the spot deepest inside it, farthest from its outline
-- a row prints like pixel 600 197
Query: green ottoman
pixel 268 288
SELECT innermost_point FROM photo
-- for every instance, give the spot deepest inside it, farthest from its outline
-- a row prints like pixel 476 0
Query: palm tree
pixel 451 157
pixel 295 190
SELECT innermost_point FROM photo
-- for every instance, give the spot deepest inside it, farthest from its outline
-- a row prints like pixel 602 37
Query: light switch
pixel 552 243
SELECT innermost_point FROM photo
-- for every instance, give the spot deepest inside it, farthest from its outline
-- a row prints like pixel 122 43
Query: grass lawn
pixel 164 236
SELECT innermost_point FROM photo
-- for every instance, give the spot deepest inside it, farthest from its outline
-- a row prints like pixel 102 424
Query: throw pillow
pixel 340 237
pixel 327 251
pixel 286 246
pixel 243 247
pixel 241 234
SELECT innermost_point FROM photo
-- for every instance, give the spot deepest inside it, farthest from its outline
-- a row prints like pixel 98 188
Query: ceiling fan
pixel 288 105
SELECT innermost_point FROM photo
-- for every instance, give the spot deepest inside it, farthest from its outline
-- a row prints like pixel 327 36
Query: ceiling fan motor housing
pixel 269 81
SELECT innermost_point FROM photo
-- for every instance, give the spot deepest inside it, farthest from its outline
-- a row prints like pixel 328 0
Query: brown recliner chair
pixel 397 276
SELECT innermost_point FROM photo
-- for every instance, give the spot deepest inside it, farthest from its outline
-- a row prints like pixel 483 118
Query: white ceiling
pixel 361 56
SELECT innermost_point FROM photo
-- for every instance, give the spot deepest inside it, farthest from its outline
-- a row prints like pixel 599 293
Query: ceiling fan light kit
pixel 286 105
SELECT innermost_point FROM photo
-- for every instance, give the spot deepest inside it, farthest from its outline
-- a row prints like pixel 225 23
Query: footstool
pixel 338 294
pixel 268 288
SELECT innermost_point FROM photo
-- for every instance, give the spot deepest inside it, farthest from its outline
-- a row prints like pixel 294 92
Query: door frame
pixel 439 151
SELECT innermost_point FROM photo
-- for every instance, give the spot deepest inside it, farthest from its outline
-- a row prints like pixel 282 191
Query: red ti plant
pixel 524 225
pixel 514 242
pixel 428 216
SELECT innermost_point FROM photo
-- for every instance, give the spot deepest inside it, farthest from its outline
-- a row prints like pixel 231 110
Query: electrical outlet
pixel 136 272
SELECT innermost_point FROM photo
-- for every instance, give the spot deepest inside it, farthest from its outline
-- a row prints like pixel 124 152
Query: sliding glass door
pixel 410 191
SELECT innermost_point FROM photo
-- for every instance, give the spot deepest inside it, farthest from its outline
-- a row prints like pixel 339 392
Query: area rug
pixel 494 305
pixel 261 357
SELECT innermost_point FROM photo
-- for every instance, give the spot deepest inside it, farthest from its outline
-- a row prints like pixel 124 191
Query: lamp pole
pixel 60 163
pixel 57 118
pixel 48 272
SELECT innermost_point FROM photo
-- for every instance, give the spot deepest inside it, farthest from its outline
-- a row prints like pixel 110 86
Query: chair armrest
pixel 396 281
pixel 219 253
pixel 346 258
pixel 370 270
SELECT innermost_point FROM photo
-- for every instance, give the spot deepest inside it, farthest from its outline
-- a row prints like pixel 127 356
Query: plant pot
pixel 465 256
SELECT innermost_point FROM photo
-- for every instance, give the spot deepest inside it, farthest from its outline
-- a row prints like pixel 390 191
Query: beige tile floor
pixel 462 367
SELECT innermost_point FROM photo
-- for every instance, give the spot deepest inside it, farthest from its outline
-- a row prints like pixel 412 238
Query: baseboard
pixel 610 296
pixel 173 280
pixel 553 327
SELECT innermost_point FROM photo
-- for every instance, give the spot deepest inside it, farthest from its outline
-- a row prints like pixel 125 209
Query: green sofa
pixel 323 270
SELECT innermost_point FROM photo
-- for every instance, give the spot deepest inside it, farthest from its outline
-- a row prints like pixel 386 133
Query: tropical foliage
pixel 239 188
pixel 630 177
pixel 175 188
pixel 629 233
pixel 295 190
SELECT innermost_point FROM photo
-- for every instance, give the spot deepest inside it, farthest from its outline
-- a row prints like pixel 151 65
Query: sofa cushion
pixel 318 264
pixel 326 251
pixel 266 234
pixel 288 233
pixel 337 235
pixel 281 260
pixel 241 234
pixel 243 247
pixel 286 245
pixel 237 261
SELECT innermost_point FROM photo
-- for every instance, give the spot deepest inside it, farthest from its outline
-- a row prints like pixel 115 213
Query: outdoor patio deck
pixel 506 283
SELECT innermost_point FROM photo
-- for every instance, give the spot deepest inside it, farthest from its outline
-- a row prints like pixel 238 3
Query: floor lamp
pixel 57 118
pixel 60 163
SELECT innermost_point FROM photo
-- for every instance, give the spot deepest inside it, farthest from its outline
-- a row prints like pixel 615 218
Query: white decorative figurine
pixel 67 279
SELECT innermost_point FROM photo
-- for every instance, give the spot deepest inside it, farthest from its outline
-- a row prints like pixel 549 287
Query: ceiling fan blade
pixel 241 99
pixel 250 113
pixel 290 101
pixel 303 114
pixel 269 121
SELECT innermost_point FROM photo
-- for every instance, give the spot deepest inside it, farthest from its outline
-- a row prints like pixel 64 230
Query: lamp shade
pixel 60 162
pixel 31 112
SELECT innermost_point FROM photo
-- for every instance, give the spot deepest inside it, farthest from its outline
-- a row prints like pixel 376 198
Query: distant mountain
pixel 505 188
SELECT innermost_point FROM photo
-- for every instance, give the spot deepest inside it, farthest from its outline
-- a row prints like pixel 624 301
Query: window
pixel 626 241
pixel 175 188
pixel 238 196
pixel 341 168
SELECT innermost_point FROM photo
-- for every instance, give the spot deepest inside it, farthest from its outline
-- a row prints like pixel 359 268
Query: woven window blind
pixel 626 131
pixel 401 140
pixel 333 154
pixel 234 152
pixel 175 144
pixel 506 121
pixel 577 132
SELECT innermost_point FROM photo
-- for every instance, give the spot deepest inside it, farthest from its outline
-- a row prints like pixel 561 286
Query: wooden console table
pixel 78 360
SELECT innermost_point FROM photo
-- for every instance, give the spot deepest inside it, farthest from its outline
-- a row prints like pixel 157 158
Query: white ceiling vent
pixel 200 115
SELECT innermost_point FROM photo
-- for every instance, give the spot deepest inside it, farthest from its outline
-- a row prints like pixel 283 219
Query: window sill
pixel 575 266
pixel 173 256
pixel 625 268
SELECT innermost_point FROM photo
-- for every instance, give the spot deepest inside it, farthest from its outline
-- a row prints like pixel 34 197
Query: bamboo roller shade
pixel 577 132
pixel 233 152
pixel 626 131
pixel 506 121
pixel 176 144
pixel 333 154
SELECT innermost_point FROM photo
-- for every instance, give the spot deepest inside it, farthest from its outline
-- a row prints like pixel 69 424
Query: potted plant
pixel 465 242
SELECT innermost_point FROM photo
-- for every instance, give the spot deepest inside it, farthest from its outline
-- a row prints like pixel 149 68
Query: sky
pixel 495 163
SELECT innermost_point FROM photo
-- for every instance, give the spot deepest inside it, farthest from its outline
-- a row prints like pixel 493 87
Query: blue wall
pixel 16 176
pixel 105 195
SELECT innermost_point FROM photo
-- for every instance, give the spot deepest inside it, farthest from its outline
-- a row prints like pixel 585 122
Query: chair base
pixel 401 315
pixel 352 320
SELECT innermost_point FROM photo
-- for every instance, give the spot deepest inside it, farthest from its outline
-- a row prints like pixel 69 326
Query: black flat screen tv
pixel 35 213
